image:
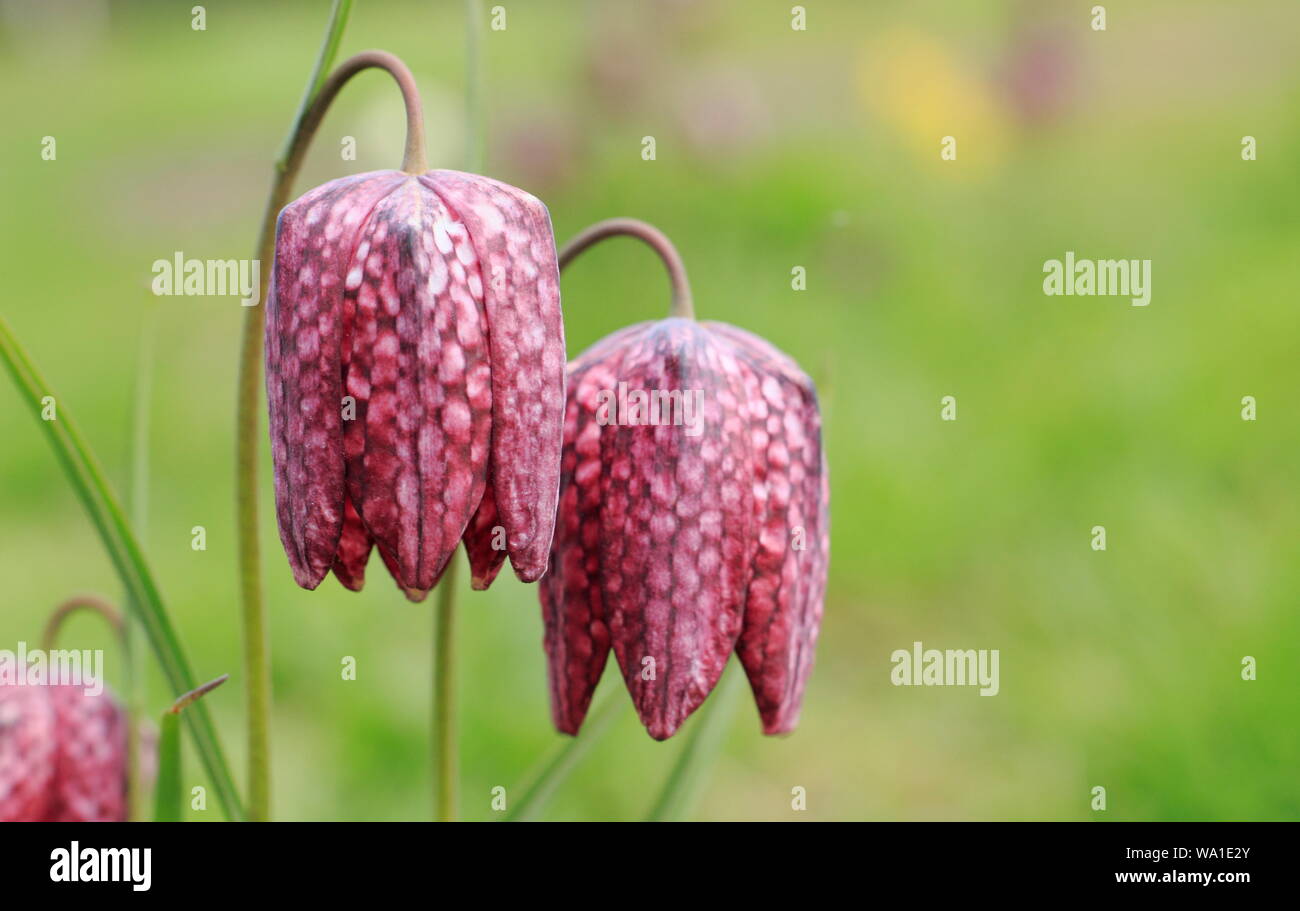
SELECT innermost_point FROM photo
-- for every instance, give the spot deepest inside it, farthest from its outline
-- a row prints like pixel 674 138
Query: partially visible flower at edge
pixel 63 755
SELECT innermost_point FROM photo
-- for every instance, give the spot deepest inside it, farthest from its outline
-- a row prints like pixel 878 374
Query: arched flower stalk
pixel 414 359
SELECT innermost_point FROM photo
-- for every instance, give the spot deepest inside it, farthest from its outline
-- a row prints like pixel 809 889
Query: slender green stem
pixel 445 759
pixel 138 504
pixel 257 662
pixel 106 513
pixel 704 741
pixel 556 768
pixel 320 92
pixel 445 747
pixel 329 50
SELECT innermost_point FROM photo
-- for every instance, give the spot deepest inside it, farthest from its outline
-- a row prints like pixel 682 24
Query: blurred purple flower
pixel 1039 72
pixel 62 755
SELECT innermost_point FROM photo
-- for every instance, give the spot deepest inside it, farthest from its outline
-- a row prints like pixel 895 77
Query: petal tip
pixel 308 579
pixel 530 572
pixel 661 732
pixel 352 585
pixel 779 727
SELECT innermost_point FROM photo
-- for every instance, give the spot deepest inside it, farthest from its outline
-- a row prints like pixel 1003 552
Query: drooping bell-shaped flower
pixel 62 755
pixel 693 521
pixel 415 378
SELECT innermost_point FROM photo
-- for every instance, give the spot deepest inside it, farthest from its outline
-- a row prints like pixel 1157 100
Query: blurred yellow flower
pixel 917 85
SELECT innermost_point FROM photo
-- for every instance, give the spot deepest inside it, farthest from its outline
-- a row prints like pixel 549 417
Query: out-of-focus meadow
pixel 775 148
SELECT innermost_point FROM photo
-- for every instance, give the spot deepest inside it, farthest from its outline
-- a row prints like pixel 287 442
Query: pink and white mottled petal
pixel 677 522
pixel 485 542
pixel 577 635
pixel 785 602
pixel 27 753
pixel 512 242
pixel 417 452
pixel 90 781
pixel 353 551
pixel 315 237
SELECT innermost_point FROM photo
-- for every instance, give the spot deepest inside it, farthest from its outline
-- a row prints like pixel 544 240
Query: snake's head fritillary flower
pixel 62 755
pixel 415 378
pixel 694 522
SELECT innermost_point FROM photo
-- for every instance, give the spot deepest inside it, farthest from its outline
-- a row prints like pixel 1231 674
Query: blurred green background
pixel 775 148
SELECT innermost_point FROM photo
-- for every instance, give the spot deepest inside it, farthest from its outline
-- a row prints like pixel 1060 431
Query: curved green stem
pixel 93 603
pixel 138 505
pixel 445 770
pixel 682 305
pixel 106 513
pixel 316 101
pixel 257 660
pixel 309 119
